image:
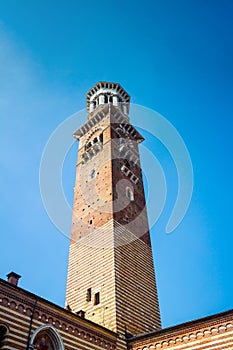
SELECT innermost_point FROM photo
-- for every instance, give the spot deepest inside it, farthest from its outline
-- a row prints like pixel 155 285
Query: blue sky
pixel 174 57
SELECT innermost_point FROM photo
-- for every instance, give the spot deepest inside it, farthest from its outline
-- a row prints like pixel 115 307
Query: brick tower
pixel 111 274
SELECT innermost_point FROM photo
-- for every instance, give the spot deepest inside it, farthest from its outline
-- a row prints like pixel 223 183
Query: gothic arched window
pixel 46 337
pixel 97 137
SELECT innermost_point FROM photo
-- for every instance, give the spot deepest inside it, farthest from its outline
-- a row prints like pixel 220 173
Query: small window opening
pixel 110 99
pixel 88 145
pixel 129 194
pixel 105 99
pixel 93 174
pixel 89 294
pixel 90 222
pixel 97 298
pixel 101 137
pixel 95 140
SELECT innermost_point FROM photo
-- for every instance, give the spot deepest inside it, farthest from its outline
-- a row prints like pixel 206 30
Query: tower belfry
pixel 111 274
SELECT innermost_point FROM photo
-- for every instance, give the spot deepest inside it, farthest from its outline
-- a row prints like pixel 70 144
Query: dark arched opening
pixel 3 333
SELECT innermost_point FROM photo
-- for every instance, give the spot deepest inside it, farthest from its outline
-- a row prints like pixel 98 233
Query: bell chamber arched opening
pixel 107 93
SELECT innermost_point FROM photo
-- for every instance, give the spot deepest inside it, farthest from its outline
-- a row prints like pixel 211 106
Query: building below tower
pixel 28 321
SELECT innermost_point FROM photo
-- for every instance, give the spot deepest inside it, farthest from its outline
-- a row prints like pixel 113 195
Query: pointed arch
pixel 51 332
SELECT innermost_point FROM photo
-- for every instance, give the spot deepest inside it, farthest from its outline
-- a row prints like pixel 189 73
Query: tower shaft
pixel 111 274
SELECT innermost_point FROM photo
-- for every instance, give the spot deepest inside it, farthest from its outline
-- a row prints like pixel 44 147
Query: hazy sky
pixel 174 57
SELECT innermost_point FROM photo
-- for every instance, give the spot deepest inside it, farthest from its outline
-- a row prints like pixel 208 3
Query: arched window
pixel 93 139
pixel 3 333
pixel 46 337
pixel 129 194
pixel 88 145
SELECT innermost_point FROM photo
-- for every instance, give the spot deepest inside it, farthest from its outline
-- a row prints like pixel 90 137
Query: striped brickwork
pixel 214 332
pixel 17 307
pixel 137 302
pixel 92 266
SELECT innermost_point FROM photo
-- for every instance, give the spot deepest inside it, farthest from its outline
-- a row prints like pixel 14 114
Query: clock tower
pixel 111 273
